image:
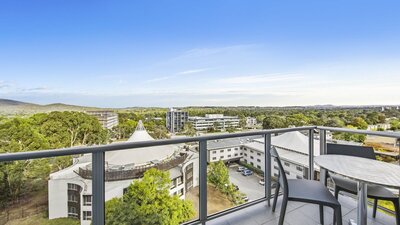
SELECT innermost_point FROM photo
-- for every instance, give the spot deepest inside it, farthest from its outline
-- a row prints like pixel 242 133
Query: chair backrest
pixel 281 175
pixel 351 150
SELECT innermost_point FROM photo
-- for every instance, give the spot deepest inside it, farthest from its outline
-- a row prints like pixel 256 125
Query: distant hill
pixel 11 107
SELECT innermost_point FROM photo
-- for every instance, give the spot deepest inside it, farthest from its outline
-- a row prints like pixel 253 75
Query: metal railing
pixel 98 163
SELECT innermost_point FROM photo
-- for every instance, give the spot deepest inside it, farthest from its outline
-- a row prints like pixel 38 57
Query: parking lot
pixel 247 184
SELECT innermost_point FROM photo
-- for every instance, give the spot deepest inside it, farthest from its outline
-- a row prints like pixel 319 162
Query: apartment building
pixel 251 122
pixel 176 119
pixel 107 119
pixel 216 121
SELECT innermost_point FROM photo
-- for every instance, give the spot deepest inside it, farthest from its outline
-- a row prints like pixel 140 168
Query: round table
pixel 364 171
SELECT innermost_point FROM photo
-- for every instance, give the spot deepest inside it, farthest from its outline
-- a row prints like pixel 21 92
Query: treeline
pixel 38 132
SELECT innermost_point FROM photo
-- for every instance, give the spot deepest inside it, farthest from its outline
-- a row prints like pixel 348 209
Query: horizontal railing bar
pixel 369 132
pixel 126 145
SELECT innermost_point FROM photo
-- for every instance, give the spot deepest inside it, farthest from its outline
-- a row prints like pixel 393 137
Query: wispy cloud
pixel 194 71
pixel 264 78
pixel 34 89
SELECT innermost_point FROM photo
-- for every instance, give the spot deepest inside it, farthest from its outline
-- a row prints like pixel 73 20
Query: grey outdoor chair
pixel 308 191
pixel 375 192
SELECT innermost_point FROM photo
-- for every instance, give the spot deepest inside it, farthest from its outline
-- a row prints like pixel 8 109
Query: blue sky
pixel 182 53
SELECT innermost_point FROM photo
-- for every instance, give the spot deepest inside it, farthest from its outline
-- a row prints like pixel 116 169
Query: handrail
pixel 368 132
pixel 130 145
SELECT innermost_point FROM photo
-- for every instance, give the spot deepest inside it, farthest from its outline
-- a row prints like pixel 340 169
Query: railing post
pixel 203 181
pixel 398 142
pixel 322 151
pixel 98 217
pixel 267 167
pixel 311 154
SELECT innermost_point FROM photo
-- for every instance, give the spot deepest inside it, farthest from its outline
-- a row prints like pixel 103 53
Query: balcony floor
pixel 298 214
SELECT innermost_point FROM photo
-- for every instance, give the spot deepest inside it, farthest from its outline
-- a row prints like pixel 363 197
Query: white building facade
pixel 70 190
pixel 211 120
pixel 107 119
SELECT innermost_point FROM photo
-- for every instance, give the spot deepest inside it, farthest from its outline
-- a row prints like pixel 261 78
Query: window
pixel 299 168
pixel 214 158
pixel 190 175
pixel 259 154
pixel 179 180
pixel 229 150
pixel 276 167
pixel 299 177
pixel 287 164
pixel 241 153
pixel 259 167
pixel 236 154
pixel 73 187
pixel 258 160
pixel 72 212
pixel 72 198
pixel 221 157
pixel 87 200
pixel 245 154
pixel 245 149
pixel 173 183
pixel 180 192
pixel 252 163
pixel 221 150
pixel 190 166
pixel 214 152
pixel 236 149
pixel 251 151
pixel 245 160
pixel 87 215
pixel 287 172
pixel 229 156
pixel 251 157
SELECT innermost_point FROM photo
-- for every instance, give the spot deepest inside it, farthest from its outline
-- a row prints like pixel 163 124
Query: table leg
pixel 362 203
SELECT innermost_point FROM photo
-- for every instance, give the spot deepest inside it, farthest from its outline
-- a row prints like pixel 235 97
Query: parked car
pixel 241 168
pixel 262 182
pixel 247 172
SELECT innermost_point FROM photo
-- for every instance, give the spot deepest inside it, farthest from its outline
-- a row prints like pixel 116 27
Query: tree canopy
pixel 148 201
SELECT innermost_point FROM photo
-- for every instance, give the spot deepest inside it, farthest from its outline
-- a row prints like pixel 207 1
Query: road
pixel 247 184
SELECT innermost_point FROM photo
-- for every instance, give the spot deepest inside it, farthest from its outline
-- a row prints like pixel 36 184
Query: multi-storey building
pixel 70 189
pixel 292 148
pixel 217 121
pixel 176 119
pixel 107 119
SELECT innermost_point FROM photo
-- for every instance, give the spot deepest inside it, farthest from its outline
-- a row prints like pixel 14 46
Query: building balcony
pixel 194 176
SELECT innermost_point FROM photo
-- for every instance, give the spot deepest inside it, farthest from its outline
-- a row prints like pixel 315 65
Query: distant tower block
pixel 175 120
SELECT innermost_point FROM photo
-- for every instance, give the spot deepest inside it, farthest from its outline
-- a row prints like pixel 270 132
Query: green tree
pixel 274 121
pixel 188 129
pixel 148 201
pixel 218 175
pixel 359 123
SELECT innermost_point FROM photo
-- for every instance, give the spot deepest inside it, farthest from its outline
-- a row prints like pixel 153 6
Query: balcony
pixel 256 211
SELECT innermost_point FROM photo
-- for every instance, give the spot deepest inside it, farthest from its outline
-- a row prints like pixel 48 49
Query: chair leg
pixel 374 209
pixel 275 196
pixel 321 214
pixel 283 210
pixel 397 210
pixel 337 216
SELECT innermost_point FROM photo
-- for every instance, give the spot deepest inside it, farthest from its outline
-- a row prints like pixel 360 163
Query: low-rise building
pixel 107 119
pixel 214 121
pixel 251 122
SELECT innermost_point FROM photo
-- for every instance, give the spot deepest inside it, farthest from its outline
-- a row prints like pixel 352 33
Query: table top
pixel 361 169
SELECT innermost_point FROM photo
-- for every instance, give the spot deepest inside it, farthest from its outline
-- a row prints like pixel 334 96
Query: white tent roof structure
pixel 139 156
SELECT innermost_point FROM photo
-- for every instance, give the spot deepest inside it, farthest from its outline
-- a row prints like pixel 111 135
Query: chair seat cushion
pixel 374 191
pixel 311 191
